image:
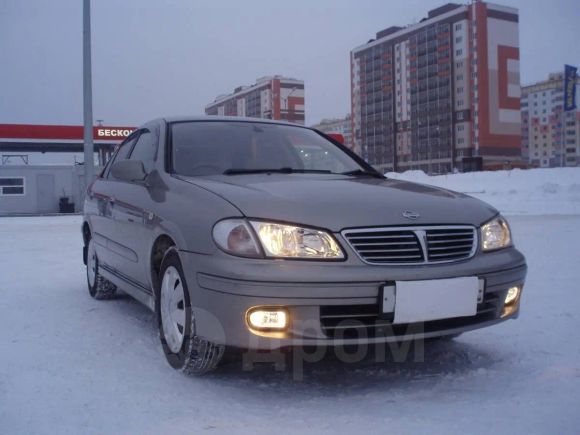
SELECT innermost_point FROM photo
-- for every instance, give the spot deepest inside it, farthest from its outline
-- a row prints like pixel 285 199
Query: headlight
pixel 495 234
pixel 288 241
pixel 236 237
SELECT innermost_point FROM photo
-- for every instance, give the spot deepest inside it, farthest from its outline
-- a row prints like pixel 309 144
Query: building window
pixel 12 186
pixel 458 27
pixel 458 52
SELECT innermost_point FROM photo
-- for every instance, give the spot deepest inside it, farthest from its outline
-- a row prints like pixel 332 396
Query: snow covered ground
pixel 70 364
pixel 517 192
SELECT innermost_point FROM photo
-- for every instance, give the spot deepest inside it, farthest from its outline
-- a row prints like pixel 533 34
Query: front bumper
pixel 320 296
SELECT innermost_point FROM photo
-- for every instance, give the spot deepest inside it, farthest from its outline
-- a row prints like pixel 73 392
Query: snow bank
pixel 554 191
pixel 72 365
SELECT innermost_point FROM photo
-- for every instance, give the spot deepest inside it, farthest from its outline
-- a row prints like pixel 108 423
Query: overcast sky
pixel 171 57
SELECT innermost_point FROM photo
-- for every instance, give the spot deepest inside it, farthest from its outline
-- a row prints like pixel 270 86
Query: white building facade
pixel 550 136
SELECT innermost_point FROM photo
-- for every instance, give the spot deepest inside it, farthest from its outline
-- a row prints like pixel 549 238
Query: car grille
pixel 450 244
pixel 418 245
pixel 356 321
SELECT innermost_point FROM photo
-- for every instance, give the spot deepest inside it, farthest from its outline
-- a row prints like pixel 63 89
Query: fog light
pixel 267 319
pixel 512 295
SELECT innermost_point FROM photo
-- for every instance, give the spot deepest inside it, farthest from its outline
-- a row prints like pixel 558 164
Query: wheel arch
pixel 161 245
pixel 86 232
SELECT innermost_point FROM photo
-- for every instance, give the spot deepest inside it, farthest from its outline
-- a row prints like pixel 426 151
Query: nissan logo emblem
pixel 411 215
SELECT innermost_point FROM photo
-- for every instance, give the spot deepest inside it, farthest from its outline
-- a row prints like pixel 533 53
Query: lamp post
pixel 88 96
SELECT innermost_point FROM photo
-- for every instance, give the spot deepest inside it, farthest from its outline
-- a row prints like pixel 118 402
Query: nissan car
pixel 257 234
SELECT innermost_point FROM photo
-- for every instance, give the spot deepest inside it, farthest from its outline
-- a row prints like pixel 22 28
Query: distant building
pixel 546 130
pixel 273 97
pixel 47 188
pixel 337 125
pixel 440 94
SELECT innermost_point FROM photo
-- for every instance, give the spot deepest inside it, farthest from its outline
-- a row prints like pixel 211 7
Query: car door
pixel 132 214
pixel 102 201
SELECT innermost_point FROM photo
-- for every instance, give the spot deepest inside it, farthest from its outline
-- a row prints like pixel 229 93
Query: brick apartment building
pixel 440 94
pixel 272 97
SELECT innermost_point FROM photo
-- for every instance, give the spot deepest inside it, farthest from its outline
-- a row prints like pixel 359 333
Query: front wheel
pixel 443 338
pixel 99 287
pixel 183 349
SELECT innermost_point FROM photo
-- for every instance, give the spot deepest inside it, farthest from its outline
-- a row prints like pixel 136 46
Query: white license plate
pixel 421 301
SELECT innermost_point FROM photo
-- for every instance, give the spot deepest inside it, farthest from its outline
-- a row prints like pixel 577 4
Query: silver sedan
pixel 261 235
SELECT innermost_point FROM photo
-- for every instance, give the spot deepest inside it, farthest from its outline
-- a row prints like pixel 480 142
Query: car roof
pixel 227 118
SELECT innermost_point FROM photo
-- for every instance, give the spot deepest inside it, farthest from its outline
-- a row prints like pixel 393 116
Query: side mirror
pixel 129 170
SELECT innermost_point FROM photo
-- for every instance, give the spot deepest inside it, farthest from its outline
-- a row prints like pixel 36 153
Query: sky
pixel 172 57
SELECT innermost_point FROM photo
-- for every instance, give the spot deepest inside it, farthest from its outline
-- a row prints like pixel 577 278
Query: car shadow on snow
pixel 333 373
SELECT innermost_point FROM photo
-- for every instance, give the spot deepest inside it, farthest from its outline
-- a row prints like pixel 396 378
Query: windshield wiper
pixel 236 171
pixel 362 172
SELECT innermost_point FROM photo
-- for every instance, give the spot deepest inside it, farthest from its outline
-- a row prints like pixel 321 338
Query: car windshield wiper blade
pixel 362 172
pixel 236 171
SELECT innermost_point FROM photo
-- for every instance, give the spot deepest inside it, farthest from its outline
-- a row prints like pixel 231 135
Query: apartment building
pixel 271 97
pixel 441 94
pixel 550 136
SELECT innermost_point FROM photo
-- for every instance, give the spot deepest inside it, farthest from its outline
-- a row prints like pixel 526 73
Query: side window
pixel 145 150
pixel 122 153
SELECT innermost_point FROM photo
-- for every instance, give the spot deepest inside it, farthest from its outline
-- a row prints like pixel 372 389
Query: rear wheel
pixel 99 287
pixel 183 349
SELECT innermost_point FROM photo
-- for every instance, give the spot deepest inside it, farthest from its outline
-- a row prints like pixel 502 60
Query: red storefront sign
pixel 61 132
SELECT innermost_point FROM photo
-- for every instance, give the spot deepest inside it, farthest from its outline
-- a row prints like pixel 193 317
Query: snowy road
pixel 70 364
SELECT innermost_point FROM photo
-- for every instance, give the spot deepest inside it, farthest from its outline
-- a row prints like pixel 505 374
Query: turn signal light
pixel 511 301
pixel 512 295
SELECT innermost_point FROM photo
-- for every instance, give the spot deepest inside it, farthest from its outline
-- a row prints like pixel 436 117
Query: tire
pixel 184 350
pixel 443 338
pixel 99 287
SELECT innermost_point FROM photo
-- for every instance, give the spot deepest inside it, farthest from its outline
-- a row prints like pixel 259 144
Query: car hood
pixel 339 202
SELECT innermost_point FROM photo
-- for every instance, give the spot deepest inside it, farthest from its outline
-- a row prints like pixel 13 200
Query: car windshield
pixel 234 148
